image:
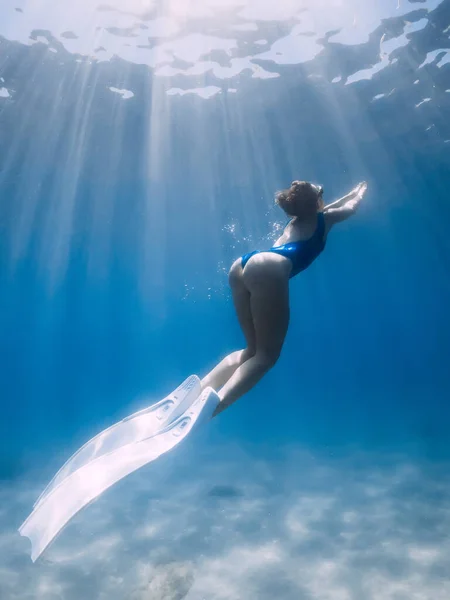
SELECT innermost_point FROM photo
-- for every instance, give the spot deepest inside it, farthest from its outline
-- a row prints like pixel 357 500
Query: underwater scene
pixel 205 393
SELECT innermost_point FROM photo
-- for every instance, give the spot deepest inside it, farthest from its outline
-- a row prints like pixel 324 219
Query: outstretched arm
pixel 345 207
pixel 350 196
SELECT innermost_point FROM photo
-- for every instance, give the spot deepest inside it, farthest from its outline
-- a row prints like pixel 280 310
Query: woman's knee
pixel 246 354
pixel 267 359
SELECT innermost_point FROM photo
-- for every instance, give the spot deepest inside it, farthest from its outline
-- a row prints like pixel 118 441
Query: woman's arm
pixel 339 203
pixel 336 213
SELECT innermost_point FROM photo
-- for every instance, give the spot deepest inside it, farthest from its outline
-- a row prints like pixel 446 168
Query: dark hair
pixel 299 200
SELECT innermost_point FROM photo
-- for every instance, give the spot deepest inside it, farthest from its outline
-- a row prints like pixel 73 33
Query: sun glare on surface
pixel 187 53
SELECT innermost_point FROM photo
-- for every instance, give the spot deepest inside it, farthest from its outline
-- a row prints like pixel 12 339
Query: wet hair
pixel 300 200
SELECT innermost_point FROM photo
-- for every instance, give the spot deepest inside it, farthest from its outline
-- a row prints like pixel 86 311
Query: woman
pixel 259 284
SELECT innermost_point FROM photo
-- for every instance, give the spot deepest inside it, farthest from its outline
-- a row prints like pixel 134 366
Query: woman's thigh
pixel 267 279
pixel 241 300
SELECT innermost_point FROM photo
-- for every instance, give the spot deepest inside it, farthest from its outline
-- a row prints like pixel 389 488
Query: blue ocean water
pixel 141 146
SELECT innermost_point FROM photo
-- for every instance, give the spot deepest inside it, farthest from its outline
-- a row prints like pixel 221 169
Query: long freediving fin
pixel 85 484
pixel 134 428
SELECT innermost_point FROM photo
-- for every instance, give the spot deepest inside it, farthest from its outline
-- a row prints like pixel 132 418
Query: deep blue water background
pixel 95 320
pixel 366 357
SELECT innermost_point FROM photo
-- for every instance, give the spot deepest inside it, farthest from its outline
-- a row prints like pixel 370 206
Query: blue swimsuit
pixel 301 253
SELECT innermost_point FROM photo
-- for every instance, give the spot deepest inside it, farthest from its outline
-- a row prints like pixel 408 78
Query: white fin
pixel 85 484
pixel 136 427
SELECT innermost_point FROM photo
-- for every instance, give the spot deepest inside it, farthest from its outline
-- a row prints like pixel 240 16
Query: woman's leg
pixel 222 372
pixel 270 312
pixel 241 298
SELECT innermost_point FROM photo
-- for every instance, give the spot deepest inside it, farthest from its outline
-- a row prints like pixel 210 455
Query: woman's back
pixel 298 230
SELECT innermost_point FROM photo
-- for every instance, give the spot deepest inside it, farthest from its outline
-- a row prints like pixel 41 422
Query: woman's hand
pixel 359 190
pixel 362 188
pixel 357 193
pixel 347 206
